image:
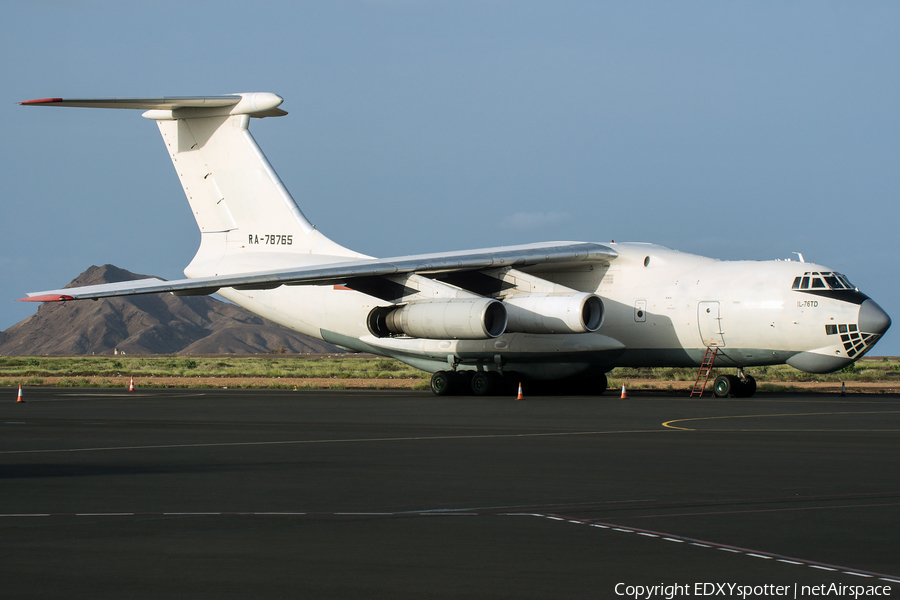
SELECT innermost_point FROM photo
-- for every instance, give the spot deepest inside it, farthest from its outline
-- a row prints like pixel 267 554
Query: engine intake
pixel 575 312
pixel 457 319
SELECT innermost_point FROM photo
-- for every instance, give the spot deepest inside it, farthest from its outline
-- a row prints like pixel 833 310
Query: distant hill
pixel 150 324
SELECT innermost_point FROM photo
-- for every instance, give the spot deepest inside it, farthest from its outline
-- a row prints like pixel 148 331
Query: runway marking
pixel 331 441
pixel 762 510
pixel 728 548
pixel 669 425
pixel 131 514
pixel 610 526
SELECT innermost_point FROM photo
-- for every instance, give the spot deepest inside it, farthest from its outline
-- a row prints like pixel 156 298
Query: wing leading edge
pixel 424 264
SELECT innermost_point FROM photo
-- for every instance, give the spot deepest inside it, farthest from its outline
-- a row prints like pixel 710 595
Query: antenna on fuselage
pixel 800 256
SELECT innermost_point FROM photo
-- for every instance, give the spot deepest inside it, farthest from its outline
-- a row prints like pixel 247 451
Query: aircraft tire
pixel 590 386
pixel 747 387
pixel 442 383
pixel 510 381
pixel 726 386
pixel 463 384
pixel 483 383
pixel 602 385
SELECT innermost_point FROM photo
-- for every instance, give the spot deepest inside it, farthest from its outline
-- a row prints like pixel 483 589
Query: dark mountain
pixel 151 324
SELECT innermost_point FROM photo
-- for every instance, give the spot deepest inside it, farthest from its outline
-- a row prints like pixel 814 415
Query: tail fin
pixel 241 206
pixel 231 187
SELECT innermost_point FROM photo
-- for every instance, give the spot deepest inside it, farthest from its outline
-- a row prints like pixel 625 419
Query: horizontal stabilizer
pixel 257 104
pixel 337 273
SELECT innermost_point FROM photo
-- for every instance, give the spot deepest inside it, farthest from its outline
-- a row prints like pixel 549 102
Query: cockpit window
pixel 832 281
pixel 822 281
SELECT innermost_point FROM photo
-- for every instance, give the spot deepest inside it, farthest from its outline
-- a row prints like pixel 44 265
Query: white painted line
pixel 265 514
pixel 600 526
pixel 673 540
pixel 555 519
pixel 822 568
pixel 730 550
pixel 790 562
pixel 620 529
pixel 647 534
pixel 26 515
pixel 189 514
pixel 759 556
pixel 857 574
pixel 701 545
pixel 889 579
pixel 104 515
pixel 375 513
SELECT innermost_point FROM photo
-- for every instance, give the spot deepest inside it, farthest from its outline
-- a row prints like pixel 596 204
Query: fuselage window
pixel 830 329
pixel 796 285
pixel 817 283
pixel 804 285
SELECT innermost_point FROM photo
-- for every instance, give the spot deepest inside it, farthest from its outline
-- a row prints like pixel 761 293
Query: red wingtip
pixel 42 101
pixel 46 298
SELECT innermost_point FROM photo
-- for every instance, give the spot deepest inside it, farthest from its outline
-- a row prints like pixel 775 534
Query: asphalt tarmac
pixel 387 494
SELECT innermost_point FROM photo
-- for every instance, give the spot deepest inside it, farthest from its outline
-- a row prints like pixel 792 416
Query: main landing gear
pixel 493 383
pixel 734 386
pixel 477 383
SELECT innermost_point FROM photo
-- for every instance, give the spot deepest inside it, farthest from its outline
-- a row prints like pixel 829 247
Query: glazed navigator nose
pixel 872 319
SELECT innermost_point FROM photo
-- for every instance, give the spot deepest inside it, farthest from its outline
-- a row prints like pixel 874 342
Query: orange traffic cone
pixel 131 385
pixel 843 389
pixel 624 394
pixel 519 397
pixel 20 398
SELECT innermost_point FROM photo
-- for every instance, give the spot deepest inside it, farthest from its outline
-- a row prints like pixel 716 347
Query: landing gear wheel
pixel 590 386
pixel 484 383
pixel 510 383
pixel 602 384
pixel 442 383
pixel 463 384
pixel 746 387
pixel 726 386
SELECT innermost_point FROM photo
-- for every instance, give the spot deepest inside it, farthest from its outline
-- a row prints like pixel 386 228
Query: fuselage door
pixel 710 322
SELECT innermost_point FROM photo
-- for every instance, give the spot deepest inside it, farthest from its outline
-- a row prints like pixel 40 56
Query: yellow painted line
pixel 874 412
pixel 417 438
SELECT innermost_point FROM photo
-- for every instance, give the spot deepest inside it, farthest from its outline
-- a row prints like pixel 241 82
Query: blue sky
pixel 732 130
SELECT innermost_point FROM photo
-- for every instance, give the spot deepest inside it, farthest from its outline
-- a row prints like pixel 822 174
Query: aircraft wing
pixel 342 272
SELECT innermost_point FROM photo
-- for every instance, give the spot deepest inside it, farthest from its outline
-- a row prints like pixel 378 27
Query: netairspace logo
pixel 736 590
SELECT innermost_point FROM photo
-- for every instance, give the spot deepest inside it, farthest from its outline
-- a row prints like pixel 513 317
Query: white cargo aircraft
pixel 561 312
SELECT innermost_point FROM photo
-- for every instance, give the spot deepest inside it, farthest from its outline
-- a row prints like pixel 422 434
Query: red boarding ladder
pixel 705 369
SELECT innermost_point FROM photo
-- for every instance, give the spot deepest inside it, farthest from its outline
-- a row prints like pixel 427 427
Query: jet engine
pixel 443 319
pixel 569 312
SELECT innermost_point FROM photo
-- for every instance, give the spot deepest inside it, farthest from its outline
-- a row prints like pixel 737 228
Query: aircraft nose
pixel 872 319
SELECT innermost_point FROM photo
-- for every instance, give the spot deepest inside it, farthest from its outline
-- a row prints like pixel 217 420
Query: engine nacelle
pixel 571 312
pixel 456 319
